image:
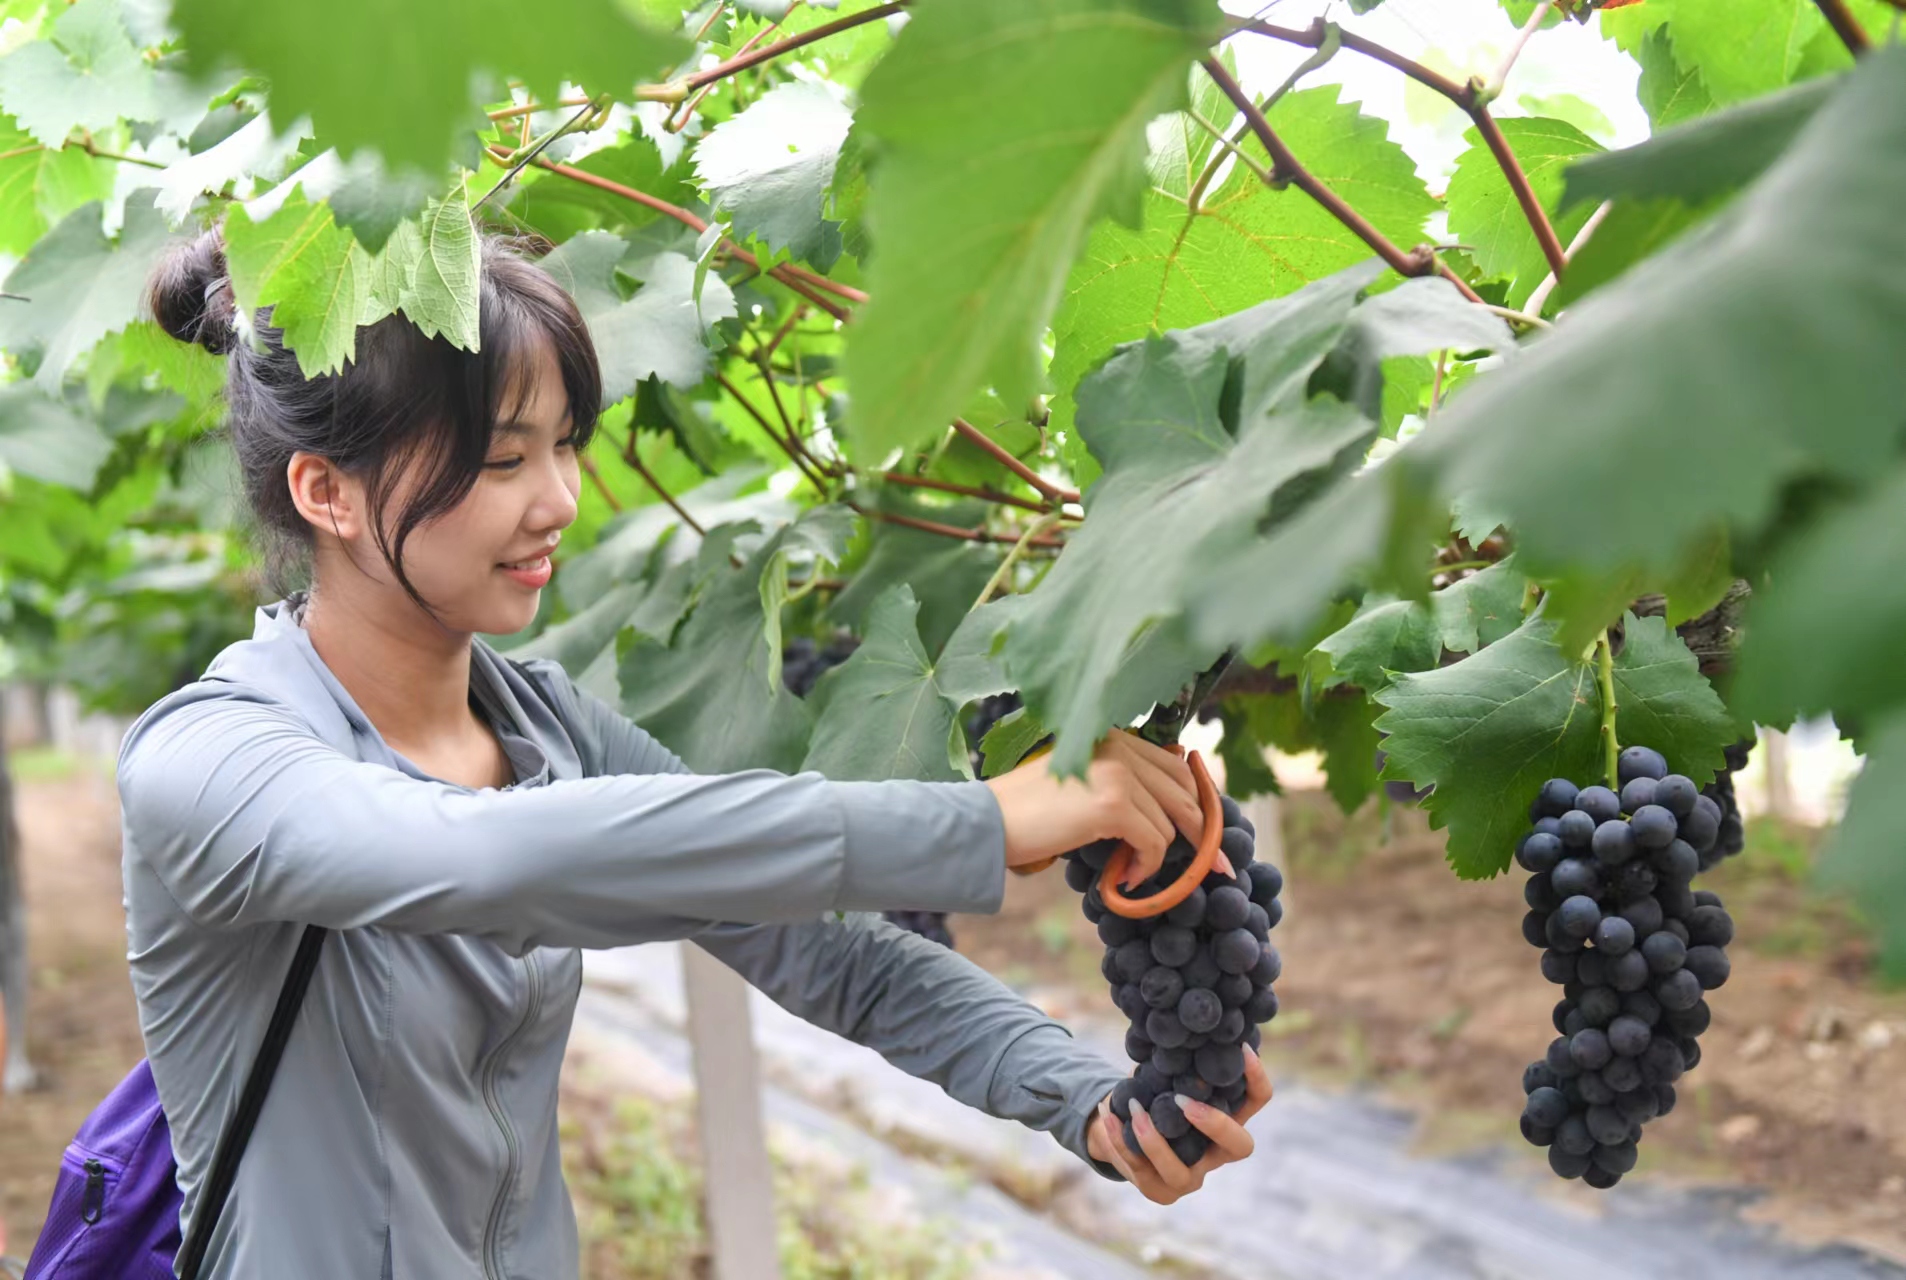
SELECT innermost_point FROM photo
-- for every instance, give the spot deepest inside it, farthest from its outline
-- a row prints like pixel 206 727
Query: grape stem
pixel 1845 25
pixel 1611 749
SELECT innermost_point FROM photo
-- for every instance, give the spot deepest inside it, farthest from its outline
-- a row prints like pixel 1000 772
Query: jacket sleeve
pixel 245 816
pixel 929 1011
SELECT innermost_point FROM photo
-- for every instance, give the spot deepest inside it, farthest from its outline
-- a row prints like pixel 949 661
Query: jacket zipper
pixel 94 1200
pixel 492 1264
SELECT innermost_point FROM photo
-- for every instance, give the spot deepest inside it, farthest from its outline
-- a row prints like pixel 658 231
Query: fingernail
pixel 1187 1105
pixel 1140 1120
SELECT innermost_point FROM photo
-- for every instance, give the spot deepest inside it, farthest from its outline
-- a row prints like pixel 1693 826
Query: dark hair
pixel 404 395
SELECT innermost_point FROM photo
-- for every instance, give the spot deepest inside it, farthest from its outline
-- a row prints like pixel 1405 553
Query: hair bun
pixel 191 295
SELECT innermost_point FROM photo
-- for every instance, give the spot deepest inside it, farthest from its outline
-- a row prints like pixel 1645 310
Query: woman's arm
pixel 929 1011
pixel 245 817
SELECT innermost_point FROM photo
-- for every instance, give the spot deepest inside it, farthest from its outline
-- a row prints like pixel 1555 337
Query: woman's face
pixel 483 564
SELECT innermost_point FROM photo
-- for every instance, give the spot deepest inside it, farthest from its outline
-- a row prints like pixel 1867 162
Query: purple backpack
pixel 115 1209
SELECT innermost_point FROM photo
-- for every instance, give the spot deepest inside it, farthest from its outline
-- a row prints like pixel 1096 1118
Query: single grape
pixel 1637 1105
pixel 1536 1136
pixel 1153 1079
pixel 1613 842
pixel 1709 965
pixel 1273 915
pixel 1558 967
pixel 1202 969
pixel 1677 863
pixel 1134 959
pixel 1594 1091
pixel 1572 1135
pixel 1269 967
pixel 1131 1001
pixel 1643 913
pixel 1579 916
pixel 1137 1047
pixel 1629 1036
pixel 1192 1085
pixel 1079 876
pixel 1236 951
pixel 1637 879
pixel 1560 1014
pixel 1540 894
pixel 1261 1007
pixel 1546 1107
pixel 1676 900
pixel 1622 1074
pixel 1640 762
pixel 1559 938
pixel 1189 914
pixel 1161 987
pixel 1238 848
pixel 1599 803
pixel 1662 1063
pixel 1615 935
pixel 1573 1022
pixel 1664 1099
pixel 1220 1063
pixel 1191 1148
pixel 1606 1125
pixel 1637 792
pixel 1168 1118
pixel 1664 953
pixel 1539 852
pixel 1233 989
pixel 1266 882
pixel 1199 1010
pixel 1692 1021
pixel 1591 969
pixel 1560 1062
pixel 1537 1076
pixel 1709 925
pixel 1599 1178
pixel 1643 1005
pixel 1230 1027
pixel 1600 1006
pixel 1628 972
pixel 1575 875
pixel 1575 829
pixel 1654 827
pixel 1233 814
pixel 1116 931
pixel 1174 945
pixel 1690 1053
pixel 1702 826
pixel 1163 1028
pixel 1567 1163
pixel 1617 1158
pixel 1590 1049
pixel 1679 990
pixel 1554 800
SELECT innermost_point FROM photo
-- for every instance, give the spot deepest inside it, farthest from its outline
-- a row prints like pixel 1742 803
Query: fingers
pixel 1228 1138
pixel 1178 796
pixel 1136 1171
pixel 1167 761
pixel 1151 854
pixel 1257 1088
pixel 1170 1169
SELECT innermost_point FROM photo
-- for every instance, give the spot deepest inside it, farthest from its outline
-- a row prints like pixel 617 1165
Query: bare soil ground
pixel 1398 975
pixel 82 1029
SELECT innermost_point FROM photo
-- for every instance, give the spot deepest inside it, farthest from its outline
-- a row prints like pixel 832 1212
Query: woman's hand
pixel 1162 1176
pixel 1131 791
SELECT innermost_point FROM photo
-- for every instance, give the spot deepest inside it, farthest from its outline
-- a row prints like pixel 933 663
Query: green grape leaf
pixel 437 271
pixel 313 275
pixel 769 168
pixel 1177 486
pixel 944 574
pixel 1669 92
pixel 1862 857
pixel 971 665
pixel 819 538
pixel 1824 632
pixel 1246 771
pixel 1743 48
pixel 705 695
pixel 1484 212
pixel 1632 232
pixel 1246 243
pixel 1009 741
pixel 39 186
pixel 1663 701
pixel 1180 147
pixel 1760 350
pixel 1486 732
pixel 882 712
pixel 79 286
pixel 406 91
pixel 1346 734
pixel 662 331
pixel 85 75
pixel 1385 637
pixel 44 438
pixel 1004 131
pixel 1703 158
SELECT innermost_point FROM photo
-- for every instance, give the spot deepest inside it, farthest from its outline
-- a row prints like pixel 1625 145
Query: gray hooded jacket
pixel 411 1129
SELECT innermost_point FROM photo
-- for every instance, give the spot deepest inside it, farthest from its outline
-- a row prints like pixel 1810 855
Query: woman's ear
pixel 324 495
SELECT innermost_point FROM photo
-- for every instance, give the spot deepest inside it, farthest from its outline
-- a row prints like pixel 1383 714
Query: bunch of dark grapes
pixel 1733 837
pixel 1633 946
pixel 1195 981
pixel 986 713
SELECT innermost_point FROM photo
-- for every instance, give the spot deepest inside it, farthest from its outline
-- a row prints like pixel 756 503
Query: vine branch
pixel 766 53
pixel 1611 749
pixel 1466 96
pixel 1056 492
pixel 589 469
pixel 1033 530
pixel 1845 25
pixel 952 530
pixel 793 450
pixel 969 491
pixel 633 456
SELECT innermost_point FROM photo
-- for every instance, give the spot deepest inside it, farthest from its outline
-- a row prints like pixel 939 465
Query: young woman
pixel 466 822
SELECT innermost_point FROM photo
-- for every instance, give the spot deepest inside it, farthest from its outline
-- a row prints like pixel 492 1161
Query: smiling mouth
pixel 525 565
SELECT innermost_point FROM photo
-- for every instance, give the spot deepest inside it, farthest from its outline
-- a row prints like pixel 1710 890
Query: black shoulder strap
pixel 231 1144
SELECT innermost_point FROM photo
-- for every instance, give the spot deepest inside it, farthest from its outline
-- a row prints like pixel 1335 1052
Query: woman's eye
pixel 506 464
